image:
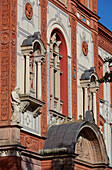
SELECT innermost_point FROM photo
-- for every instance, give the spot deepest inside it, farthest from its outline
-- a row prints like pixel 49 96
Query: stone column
pixel 27 75
pixel 86 100
pixel 91 101
pixel 94 107
pixel 22 74
pixel 111 142
pixel 51 84
pixel 58 90
pixel 81 101
pixel 39 79
pixel 35 79
pixel 57 85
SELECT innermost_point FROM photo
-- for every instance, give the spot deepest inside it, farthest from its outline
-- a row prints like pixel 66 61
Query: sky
pixel 105 12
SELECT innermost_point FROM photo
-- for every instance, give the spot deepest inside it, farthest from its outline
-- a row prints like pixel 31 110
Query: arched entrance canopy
pixel 76 137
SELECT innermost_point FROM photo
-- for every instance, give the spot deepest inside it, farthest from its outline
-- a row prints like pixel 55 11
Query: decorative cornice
pixel 104 38
pixel 10 153
pixel 11 150
pixel 86 10
pixel 102 29
pixel 53 151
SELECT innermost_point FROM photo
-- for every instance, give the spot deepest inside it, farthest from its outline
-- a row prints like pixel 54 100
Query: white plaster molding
pixel 54 25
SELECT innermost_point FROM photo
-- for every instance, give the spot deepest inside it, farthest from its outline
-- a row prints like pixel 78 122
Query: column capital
pixel 39 58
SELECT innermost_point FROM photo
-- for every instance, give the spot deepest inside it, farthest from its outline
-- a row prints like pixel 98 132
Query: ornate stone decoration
pixel 85 48
pixel 4 38
pixel 90 86
pixel 28 10
pixel 30 142
pixel 33 55
pixel 10 152
pixel 81 144
pixel 15 104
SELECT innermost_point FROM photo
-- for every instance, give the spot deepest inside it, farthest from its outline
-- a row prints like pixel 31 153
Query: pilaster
pixel 95 52
pixel 8 18
pixel 74 66
pixel 43 5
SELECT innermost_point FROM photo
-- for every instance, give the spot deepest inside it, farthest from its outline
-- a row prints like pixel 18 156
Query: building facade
pixel 54 114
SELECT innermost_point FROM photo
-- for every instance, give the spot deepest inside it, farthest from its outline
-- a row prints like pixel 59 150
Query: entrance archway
pixel 77 145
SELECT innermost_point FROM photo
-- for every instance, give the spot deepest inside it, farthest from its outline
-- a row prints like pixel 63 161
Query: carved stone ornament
pixel 28 10
pixel 15 104
pixel 81 144
pixel 85 48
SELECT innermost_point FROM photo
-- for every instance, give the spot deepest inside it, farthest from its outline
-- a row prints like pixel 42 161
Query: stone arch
pixel 55 25
pixel 58 72
pixel 82 140
pixel 38 48
pixel 90 146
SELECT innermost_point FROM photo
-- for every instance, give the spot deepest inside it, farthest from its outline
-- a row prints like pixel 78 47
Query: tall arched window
pixel 58 73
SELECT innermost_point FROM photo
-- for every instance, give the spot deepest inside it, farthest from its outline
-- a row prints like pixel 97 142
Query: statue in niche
pixel 32 72
pixel 15 104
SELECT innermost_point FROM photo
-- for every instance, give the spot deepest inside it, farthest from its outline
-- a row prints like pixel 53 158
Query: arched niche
pixel 90 147
pixel 58 72
pixel 33 53
pixel 88 88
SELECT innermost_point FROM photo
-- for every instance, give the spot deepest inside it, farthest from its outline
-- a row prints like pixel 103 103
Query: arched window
pixel 58 73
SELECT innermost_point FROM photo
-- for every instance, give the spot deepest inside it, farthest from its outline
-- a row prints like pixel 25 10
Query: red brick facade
pixel 27 143
pixel 8 26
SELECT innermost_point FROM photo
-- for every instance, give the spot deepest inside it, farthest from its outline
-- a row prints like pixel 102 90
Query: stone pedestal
pixel 10 147
pixel 10 135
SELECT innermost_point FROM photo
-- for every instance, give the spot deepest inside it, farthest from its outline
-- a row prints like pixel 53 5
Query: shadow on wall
pixel 27 164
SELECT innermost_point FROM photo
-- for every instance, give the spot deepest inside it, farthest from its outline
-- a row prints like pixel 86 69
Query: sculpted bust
pixel 85 48
pixel 15 104
pixel 28 11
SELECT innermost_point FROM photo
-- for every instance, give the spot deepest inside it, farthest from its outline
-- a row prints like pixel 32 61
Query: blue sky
pixel 105 12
